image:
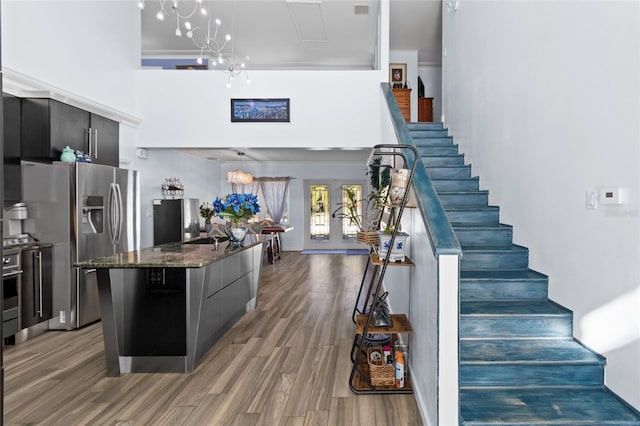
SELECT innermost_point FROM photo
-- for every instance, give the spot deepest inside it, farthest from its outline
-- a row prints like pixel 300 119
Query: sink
pixel 206 240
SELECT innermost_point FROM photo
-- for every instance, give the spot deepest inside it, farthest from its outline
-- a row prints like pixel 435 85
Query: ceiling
pixel 297 34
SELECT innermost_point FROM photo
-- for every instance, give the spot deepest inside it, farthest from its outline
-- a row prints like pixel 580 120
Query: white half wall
pixel 192 109
pixel 543 98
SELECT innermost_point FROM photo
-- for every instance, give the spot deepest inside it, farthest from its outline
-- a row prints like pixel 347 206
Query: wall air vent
pixel 361 10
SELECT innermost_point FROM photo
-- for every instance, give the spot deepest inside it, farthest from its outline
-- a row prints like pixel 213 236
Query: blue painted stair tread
pixel 517 351
pixel 476 214
pixel 457 184
pixel 419 135
pixel 442 160
pixel 545 406
pixel 433 141
pixel 455 171
pixel 513 307
pixel 463 198
pixel 494 257
pixel 435 149
pixel 483 234
pixel 425 126
pixel 536 362
pixel 520 274
pixel 523 284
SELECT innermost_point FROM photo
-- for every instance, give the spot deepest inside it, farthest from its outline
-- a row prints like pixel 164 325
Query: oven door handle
pixel 38 257
pixel 12 273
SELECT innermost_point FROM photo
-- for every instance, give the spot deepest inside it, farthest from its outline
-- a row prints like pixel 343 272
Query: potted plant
pixel 365 212
pixel 239 208
pixel 206 211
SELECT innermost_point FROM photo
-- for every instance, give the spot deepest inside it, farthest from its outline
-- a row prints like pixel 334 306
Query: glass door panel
pixel 349 228
pixel 320 219
pixel 324 228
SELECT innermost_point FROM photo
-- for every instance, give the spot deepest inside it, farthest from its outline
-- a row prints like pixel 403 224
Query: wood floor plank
pixel 286 363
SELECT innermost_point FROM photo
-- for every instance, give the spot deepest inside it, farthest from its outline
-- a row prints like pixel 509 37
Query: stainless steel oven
pixel 11 282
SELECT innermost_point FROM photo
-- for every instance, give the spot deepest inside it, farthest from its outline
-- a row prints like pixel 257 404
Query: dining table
pixel 274 247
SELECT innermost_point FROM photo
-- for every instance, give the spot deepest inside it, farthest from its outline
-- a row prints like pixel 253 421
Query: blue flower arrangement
pixel 236 207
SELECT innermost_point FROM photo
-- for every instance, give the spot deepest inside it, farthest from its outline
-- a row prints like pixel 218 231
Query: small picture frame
pixel 256 110
pixel 397 75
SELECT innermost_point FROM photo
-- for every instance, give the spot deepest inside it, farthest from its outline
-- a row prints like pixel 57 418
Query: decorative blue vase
pixel 68 156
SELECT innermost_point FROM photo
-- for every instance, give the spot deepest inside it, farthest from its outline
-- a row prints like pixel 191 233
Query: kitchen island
pixel 164 307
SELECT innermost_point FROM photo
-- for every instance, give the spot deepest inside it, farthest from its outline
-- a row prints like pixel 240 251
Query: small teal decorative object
pixel 68 156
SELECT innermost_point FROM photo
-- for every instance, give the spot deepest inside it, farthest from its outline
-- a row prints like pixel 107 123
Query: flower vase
pixel 238 232
pixel 208 227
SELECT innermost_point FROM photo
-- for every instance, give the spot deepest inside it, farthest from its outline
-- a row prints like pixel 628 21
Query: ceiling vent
pixel 308 20
pixel 361 9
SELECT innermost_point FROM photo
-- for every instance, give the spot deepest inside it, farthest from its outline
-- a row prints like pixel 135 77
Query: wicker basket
pixel 380 373
pixel 369 238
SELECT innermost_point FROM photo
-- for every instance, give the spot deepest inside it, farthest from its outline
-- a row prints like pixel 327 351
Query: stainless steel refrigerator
pixel 175 220
pixel 85 210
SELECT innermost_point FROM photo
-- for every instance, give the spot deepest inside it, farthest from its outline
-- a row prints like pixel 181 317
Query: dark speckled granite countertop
pixel 173 255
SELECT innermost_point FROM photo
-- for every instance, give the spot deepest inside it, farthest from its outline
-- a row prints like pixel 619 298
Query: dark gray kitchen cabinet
pixel 106 134
pixel 36 288
pixel 11 154
pixel 48 126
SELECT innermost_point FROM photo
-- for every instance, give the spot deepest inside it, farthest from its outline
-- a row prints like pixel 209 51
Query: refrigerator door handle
pixel 120 212
pixel 39 259
pixel 113 212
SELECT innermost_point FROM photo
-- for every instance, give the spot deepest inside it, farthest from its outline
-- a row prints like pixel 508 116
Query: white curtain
pixel 275 192
pixel 245 189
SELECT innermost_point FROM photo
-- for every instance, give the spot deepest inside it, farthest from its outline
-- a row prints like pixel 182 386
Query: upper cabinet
pixel 106 140
pixel 11 138
pixel 48 126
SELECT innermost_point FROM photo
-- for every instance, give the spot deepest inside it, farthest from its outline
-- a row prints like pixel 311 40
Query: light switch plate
pixel 592 199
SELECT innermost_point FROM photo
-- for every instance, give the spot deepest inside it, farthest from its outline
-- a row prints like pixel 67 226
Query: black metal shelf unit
pixel 372 279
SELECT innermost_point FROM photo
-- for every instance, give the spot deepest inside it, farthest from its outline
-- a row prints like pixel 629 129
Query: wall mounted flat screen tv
pixel 256 110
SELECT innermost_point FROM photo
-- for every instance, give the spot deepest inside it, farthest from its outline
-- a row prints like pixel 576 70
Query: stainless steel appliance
pixel 12 223
pixel 85 210
pixel 11 281
pixel 175 220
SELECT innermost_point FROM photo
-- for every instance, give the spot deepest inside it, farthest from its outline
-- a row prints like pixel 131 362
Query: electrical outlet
pixel 63 317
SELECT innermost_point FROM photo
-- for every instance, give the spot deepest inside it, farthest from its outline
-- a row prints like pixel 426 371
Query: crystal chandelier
pixel 235 70
pixel 207 44
pixel 238 176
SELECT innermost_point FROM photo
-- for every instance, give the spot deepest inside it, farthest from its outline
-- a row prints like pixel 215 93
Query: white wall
pixel 543 98
pixel 200 177
pixel 87 48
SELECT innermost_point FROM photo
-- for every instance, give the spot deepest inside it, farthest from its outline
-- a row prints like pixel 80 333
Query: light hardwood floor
pixel 287 363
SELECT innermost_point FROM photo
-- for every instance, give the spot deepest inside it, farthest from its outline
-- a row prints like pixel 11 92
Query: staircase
pixel 519 362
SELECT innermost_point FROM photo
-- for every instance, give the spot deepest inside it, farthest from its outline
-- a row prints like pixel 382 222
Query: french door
pixel 324 228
